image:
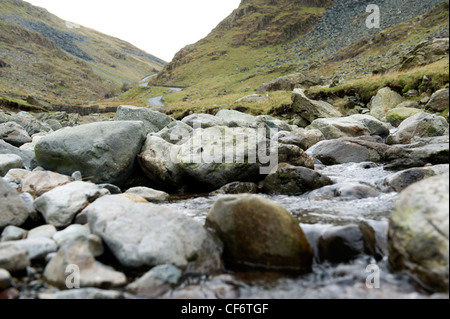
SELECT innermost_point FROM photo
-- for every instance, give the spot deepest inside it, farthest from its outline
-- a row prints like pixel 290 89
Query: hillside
pixel 264 39
pixel 44 59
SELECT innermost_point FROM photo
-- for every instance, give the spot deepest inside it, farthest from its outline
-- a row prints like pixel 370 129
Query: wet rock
pixel 39 183
pixel 312 110
pixel 13 258
pixel 419 232
pixel 11 233
pixel 8 162
pixel 156 282
pixel 341 243
pixel 176 133
pixel 89 294
pixel 238 188
pixel 439 101
pixel 92 273
pixel 397 115
pixel 202 121
pixel 13 210
pixel 158 160
pixel 46 231
pixel 300 137
pixel 385 100
pixel 26 156
pixel 294 155
pixel 38 248
pixel 348 150
pixel 344 191
pixel 60 205
pixel 425 53
pixel 419 125
pixel 294 181
pixel 104 152
pixel 153 121
pixel 14 134
pixel 351 126
pixel 5 279
pixel 258 232
pixel 149 194
pixel 401 180
pixel 146 235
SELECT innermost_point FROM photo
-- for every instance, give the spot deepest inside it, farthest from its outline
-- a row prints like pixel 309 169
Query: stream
pixel 327 280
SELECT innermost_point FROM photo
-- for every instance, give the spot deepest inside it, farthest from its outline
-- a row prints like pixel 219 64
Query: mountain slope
pixel 59 62
pixel 265 39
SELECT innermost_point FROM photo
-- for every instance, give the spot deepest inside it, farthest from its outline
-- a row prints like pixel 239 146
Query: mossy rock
pixel 399 114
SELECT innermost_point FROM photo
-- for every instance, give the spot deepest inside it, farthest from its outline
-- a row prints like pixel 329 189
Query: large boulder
pixel 312 110
pixel 419 232
pixel 14 134
pixel 147 235
pixel 104 152
pixel 439 101
pixel 60 205
pixel 351 126
pixel 385 100
pixel 236 116
pixel 294 181
pixel 153 121
pixel 419 125
pixel 13 209
pixel 8 162
pixel 425 53
pixel 158 160
pixel 258 232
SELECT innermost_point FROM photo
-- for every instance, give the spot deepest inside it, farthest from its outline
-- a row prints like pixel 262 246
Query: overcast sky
pixel 160 27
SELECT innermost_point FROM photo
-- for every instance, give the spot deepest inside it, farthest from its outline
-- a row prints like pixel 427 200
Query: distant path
pixel 146 79
pixel 158 100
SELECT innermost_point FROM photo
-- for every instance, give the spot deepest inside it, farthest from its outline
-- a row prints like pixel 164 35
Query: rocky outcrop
pixel 425 53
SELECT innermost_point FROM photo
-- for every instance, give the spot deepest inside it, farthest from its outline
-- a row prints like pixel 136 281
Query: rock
pixel 70 234
pixel 439 101
pixel 238 188
pixel 11 233
pixel 235 116
pixel 176 133
pixel 300 137
pixel 5 279
pixel 60 205
pixel 46 231
pixel 294 155
pixel 27 156
pixel 135 198
pixel 344 191
pixel 8 162
pixel 418 232
pixel 39 183
pixel 351 126
pixel 54 124
pixel 153 121
pixel 149 194
pixel 289 83
pixel 38 248
pixel 419 125
pixel 341 243
pixel 13 210
pixel 159 162
pixel 14 134
pixel 202 121
pixel 62 118
pixel 104 152
pixel 91 272
pixel 156 282
pixel 30 123
pixel 16 176
pixel 312 110
pixel 385 100
pixel 13 258
pixel 425 53
pixel 403 179
pixel 294 181
pixel 258 232
pixel 146 235
pixel 253 98
pixel 29 203
pixel 89 294
pixel 274 125
pixel 347 150
pixel 397 115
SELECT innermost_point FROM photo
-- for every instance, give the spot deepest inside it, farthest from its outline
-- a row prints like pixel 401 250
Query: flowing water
pixel 345 280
